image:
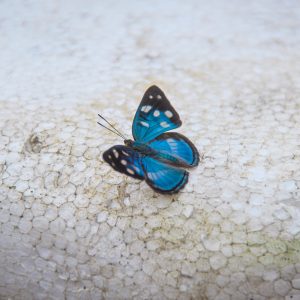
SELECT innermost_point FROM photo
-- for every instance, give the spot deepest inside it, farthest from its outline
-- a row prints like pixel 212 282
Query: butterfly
pixel 155 155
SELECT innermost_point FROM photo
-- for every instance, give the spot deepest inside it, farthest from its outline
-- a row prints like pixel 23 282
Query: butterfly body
pixel 155 155
pixel 146 150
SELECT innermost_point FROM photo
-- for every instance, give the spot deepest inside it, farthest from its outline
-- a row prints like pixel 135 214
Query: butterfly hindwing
pixel 154 116
pixel 178 148
pixel 163 178
pixel 125 160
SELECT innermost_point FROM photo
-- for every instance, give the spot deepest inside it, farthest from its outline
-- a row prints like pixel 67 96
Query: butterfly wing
pixel 125 160
pixel 163 178
pixel 176 149
pixel 154 116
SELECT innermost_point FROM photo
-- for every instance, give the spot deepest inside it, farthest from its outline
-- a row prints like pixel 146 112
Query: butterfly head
pixel 128 143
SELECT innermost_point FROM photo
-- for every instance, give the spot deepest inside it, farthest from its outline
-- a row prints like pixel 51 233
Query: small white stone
pixel 222 296
pixel 102 216
pixel 188 211
pixel 67 211
pixel 255 238
pixel 183 288
pixel 288 186
pixel 238 218
pixel 152 245
pixel 25 226
pixel 81 201
pixel 222 280
pixel 281 214
pixel 214 218
pixel 254 225
pixel 122 223
pixel 270 275
pixel 83 228
pixel 44 252
pixel 38 209
pixel 256 199
pixel 127 202
pixel 217 261
pixel 80 166
pixel 40 223
pixel 51 213
pixel 296 283
pixel 57 226
pixel 115 236
pixel 255 212
pixel 266 289
pixel 282 287
pixel 163 202
pixel 137 247
pixel 212 244
pixel 154 221
pixel 239 237
pixel 188 269
pixel 288 272
pixel 130 235
pixel 138 222
pixel 112 220
pixel 238 249
pixel 17 209
pixel 227 250
pixel 149 267
pixel 21 186
pixel 258 173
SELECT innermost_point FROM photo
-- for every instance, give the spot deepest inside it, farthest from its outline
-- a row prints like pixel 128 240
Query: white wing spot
pixel 146 108
pixel 150 97
pixel 170 141
pixel 158 96
pixel 168 114
pixel 125 153
pixel 109 156
pixel 144 124
pixel 164 124
pixel 136 168
pixel 130 171
pixel 156 113
pixel 151 175
pixel 123 162
pixel 116 153
pixel 113 164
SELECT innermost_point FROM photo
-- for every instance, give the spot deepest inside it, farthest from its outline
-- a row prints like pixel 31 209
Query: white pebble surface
pixel 71 227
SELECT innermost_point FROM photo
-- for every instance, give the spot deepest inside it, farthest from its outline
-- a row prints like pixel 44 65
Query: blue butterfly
pixel 155 156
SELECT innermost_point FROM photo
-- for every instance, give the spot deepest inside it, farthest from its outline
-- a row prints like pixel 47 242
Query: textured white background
pixel 71 228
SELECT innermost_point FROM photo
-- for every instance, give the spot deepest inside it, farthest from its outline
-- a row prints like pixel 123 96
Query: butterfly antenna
pixel 111 130
pixel 112 126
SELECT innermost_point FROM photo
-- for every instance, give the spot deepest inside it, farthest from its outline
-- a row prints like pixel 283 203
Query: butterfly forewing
pixel 154 116
pixel 178 148
pixel 162 177
pixel 125 160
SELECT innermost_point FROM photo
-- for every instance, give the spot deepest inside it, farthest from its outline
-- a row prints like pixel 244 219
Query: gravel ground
pixel 72 228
